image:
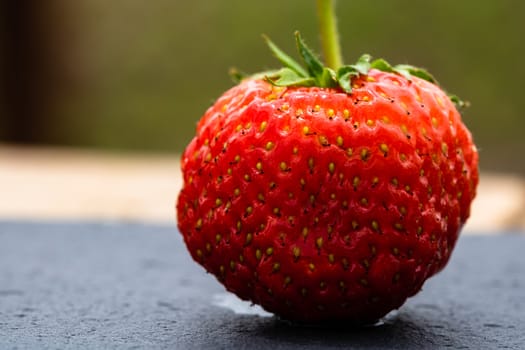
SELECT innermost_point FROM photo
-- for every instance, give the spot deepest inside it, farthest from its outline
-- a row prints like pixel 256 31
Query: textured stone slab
pixel 119 286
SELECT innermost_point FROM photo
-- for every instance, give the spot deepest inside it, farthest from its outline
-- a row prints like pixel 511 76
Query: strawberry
pixel 328 194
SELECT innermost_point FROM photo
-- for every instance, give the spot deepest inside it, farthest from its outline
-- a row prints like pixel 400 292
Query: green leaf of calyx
pixel 382 65
pixel 409 71
pixel 313 64
pixel 324 76
pixel 363 64
pixel 344 77
pixel 286 60
pixel 460 104
pixel 236 75
pixel 345 74
pixel 288 77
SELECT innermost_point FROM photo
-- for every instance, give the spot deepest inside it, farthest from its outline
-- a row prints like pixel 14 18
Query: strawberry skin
pixel 323 205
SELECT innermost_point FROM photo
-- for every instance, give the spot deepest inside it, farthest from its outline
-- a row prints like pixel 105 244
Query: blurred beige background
pixel 72 184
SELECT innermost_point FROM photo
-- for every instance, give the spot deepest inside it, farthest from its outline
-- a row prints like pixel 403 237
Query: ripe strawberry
pixel 328 195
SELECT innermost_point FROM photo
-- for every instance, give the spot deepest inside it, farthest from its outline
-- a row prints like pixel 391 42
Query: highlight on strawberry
pixel 328 193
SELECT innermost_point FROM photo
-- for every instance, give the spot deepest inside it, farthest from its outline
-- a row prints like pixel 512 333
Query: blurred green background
pixel 137 75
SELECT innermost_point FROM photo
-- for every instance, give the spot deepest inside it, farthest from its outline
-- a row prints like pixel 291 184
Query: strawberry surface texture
pixel 318 204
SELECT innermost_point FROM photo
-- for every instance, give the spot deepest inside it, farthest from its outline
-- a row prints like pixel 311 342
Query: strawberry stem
pixel 329 33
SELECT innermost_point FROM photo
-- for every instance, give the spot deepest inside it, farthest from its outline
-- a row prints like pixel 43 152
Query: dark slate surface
pixel 124 286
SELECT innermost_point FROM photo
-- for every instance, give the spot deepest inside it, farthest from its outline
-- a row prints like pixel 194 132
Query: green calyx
pixel 314 73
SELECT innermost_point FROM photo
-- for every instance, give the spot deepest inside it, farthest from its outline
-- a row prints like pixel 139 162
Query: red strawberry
pixel 325 195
